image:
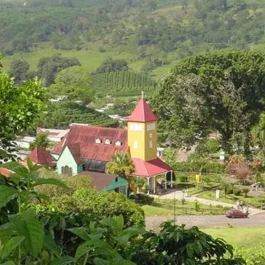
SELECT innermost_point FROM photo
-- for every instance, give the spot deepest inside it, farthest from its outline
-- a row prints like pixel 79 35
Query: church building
pixel 86 149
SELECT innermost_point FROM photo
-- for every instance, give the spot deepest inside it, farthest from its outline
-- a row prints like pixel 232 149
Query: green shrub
pixel 93 205
pixel 183 178
pixel 197 206
pixel 237 192
pixel 142 198
pixel 245 191
pixel 229 189
pixel 200 165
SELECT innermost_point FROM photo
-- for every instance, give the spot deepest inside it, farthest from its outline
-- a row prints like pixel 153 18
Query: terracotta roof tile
pixel 142 112
pixel 86 137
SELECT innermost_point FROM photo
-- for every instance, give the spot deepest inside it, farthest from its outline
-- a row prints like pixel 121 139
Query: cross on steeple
pixel 142 94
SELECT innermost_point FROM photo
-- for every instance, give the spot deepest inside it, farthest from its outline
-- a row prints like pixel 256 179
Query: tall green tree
pixel 74 83
pixel 110 65
pixel 220 91
pixel 258 132
pixel 19 70
pixel 48 67
pixel 20 107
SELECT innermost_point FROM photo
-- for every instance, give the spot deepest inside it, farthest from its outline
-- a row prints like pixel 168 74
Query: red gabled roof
pixel 142 112
pixel 149 168
pixel 86 137
pixel 42 157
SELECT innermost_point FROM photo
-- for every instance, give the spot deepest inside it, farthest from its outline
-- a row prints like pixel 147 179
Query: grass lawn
pixel 254 201
pixel 89 59
pixel 239 236
pixel 166 207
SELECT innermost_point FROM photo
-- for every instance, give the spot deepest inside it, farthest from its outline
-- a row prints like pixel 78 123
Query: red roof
pixel 99 180
pixel 149 168
pixel 142 112
pixel 86 137
pixel 42 157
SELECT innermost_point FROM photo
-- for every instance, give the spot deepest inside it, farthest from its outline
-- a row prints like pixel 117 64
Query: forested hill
pixel 149 34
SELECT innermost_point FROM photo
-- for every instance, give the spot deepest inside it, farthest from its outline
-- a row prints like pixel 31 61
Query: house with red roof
pixel 87 149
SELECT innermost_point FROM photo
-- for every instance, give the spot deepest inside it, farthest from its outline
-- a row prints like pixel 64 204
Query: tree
pixel 220 91
pixel 75 83
pixel 20 108
pixel 19 70
pixel 110 65
pixel 121 164
pixel 258 132
pixel 40 141
pixel 48 67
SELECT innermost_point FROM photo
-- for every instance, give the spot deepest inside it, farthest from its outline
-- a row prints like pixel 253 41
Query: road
pixel 153 222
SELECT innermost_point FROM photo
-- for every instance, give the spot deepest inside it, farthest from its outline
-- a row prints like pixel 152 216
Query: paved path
pixel 153 222
pixel 179 196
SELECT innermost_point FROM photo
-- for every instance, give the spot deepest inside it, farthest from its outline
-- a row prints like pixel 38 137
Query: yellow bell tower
pixel 142 132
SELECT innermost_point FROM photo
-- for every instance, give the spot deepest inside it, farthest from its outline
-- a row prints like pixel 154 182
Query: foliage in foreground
pixel 27 237
pixel 20 107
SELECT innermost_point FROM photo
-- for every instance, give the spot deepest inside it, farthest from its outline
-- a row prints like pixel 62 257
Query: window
pixel 135 145
pixel 136 127
pixel 118 143
pixel 98 141
pixel 151 126
pixel 151 135
pixel 151 144
pixel 107 141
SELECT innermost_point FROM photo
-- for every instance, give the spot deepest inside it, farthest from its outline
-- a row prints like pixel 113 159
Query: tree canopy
pixel 20 107
pixel 110 65
pixel 48 67
pixel 75 83
pixel 217 91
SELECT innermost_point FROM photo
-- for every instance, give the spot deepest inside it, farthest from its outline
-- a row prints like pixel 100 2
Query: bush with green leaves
pixel 200 165
pixel 237 192
pixel 142 198
pixel 93 205
pixel 29 236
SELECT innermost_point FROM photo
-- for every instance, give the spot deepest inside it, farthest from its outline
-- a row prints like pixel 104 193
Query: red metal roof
pixel 99 180
pixel 149 168
pixel 142 112
pixel 86 137
pixel 42 157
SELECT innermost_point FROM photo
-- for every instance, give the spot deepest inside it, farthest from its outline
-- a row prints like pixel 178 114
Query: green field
pixel 239 236
pixel 89 59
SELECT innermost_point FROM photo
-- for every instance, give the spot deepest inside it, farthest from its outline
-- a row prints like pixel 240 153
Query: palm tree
pixel 121 164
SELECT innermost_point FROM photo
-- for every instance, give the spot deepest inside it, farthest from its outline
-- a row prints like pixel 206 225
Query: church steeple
pixel 142 132
pixel 142 112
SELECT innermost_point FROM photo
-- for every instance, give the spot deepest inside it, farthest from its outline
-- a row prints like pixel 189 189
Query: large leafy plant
pixel 22 237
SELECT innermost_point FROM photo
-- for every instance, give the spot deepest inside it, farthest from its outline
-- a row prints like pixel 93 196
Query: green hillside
pixel 151 35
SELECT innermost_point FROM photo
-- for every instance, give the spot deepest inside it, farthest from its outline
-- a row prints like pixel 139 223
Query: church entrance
pixel 67 171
